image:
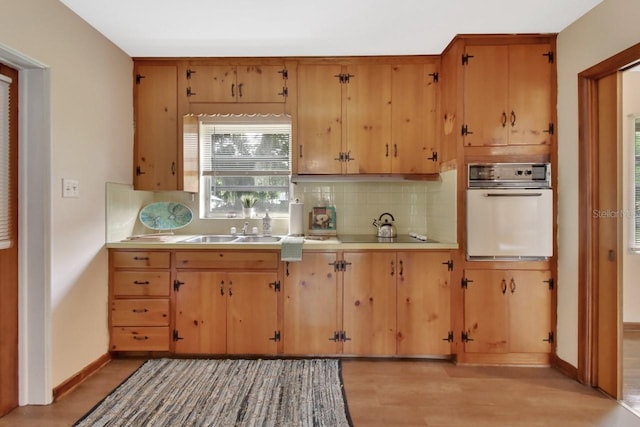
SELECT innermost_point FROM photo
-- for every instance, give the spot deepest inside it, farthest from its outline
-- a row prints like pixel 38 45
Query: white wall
pixel 630 260
pixel 606 30
pixel 91 141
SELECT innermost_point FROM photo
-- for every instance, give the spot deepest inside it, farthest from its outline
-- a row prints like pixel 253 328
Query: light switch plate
pixel 70 188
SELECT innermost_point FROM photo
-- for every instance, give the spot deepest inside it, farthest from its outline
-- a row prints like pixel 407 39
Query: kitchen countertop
pixel 331 243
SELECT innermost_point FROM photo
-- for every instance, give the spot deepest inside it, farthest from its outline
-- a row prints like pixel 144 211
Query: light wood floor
pixel 631 370
pixel 405 393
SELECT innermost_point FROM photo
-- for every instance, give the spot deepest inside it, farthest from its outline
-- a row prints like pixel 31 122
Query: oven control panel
pixel 505 175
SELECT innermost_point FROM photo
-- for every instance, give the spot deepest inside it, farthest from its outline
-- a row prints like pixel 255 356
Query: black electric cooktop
pixel 369 238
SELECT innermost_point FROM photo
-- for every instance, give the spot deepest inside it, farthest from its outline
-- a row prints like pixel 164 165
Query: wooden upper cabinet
pixel 368 146
pixel 319 119
pixel 507 95
pixel 236 83
pixel 414 146
pixel 156 127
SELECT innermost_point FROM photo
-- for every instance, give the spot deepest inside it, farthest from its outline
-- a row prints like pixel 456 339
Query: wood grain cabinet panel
pixel 311 314
pixel 507 95
pixel 254 83
pixel 141 259
pixel 140 338
pixel 244 260
pixel 140 312
pixel 141 283
pixel 507 311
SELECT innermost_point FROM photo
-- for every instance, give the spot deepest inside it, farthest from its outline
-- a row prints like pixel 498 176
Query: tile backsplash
pixel 424 207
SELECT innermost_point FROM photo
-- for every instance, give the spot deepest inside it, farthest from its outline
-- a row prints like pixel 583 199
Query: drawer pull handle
pixel 139 338
pixel 137 282
pixel 138 310
pixel 141 258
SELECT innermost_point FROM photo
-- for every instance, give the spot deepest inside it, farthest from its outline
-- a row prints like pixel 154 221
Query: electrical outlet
pixel 70 188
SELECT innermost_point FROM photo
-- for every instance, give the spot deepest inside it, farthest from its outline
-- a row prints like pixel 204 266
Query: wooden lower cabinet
pixel 424 303
pixel 226 313
pixel 507 311
pixel 369 311
pixel 140 309
pixel 311 314
pixel 367 303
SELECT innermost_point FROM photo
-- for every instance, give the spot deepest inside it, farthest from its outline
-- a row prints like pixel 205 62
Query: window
pixel 5 157
pixel 244 157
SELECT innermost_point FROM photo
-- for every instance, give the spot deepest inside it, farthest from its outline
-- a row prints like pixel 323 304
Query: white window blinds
pixel 245 145
pixel 5 200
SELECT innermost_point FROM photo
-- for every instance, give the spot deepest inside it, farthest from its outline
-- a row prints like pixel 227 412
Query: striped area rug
pixel 199 392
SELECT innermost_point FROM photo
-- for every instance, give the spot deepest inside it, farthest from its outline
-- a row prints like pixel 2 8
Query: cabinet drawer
pixel 227 260
pixel 142 259
pixel 140 312
pixel 141 283
pixel 140 339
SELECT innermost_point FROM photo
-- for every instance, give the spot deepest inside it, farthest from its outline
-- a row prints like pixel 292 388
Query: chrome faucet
pixel 245 227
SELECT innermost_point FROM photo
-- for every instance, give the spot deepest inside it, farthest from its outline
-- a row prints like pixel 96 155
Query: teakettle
pixel 386 228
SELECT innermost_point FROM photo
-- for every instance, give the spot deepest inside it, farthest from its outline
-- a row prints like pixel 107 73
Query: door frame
pixel 588 286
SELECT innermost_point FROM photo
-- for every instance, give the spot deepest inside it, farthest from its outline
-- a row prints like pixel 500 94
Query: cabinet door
pixel 261 83
pixel 201 319
pixel 212 83
pixel 311 305
pixel 486 95
pixel 369 307
pixel 252 313
pixel 529 94
pixel 529 311
pixel 319 119
pixel 369 119
pixel 413 119
pixel 486 319
pixel 424 318
pixel 156 127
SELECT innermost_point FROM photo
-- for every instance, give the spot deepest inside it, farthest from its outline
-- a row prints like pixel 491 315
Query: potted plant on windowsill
pixel 248 201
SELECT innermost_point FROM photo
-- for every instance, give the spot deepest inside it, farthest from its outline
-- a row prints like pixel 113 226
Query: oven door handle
pixel 513 194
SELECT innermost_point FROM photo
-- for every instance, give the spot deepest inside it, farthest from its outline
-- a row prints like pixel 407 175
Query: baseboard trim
pixel 631 327
pixel 79 377
pixel 564 367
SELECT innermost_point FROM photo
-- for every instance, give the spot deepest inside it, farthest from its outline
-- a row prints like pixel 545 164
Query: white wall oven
pixel 509 211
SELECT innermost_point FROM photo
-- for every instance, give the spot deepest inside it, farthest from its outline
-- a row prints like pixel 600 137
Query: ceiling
pixel 174 28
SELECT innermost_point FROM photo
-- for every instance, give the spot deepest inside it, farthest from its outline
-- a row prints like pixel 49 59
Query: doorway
pixel 601 246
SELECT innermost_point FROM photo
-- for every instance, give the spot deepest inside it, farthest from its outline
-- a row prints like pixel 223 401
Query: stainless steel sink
pixel 211 238
pixel 257 239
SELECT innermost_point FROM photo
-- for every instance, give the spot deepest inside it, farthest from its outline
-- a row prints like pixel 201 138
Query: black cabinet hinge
pixel 434 156
pixel 549 338
pixel 550 130
pixel 189 92
pixel 176 337
pixel 465 130
pixel 449 337
pixel 339 336
pixel 550 282
pixel 449 264
pixel 139 171
pixel 465 282
pixel 285 92
pixel 465 58
pixel 550 56
pixel 344 78
pixel 275 337
pixel 189 72
pixel 285 74
pixel 139 77
pixel 434 76
pixel 275 285
pixel 177 284
pixel 465 337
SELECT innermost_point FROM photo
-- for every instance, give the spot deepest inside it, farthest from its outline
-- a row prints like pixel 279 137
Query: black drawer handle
pixel 138 310
pixel 141 258
pixel 139 338
pixel 137 282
